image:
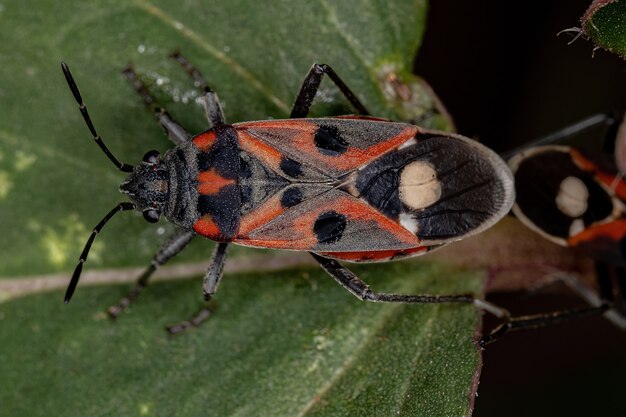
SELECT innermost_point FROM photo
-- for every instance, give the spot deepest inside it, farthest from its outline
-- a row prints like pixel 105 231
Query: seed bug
pixel 351 188
pixel 575 200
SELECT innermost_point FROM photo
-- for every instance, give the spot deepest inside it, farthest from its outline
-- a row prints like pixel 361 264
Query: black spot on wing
pixel 329 141
pixel 378 182
pixel 291 167
pixel 291 197
pixel 537 183
pixel 470 191
pixel 329 227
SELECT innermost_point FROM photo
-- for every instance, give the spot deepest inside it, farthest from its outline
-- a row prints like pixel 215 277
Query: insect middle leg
pixel 211 284
pixel 311 84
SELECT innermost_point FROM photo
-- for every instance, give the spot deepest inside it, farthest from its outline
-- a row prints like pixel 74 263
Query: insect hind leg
pixel 362 291
pixel 174 130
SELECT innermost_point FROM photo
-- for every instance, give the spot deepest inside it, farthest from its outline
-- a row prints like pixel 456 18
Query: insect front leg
pixel 311 84
pixel 172 247
pixel 174 130
pixel 212 105
pixel 211 284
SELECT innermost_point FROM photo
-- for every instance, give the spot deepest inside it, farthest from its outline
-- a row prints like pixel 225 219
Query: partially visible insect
pixel 578 201
pixel 354 188
pixel 572 200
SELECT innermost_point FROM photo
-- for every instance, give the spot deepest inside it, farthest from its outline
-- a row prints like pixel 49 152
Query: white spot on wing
pixel 572 197
pixel 419 186
pixel 408 143
pixel 409 222
pixel 576 227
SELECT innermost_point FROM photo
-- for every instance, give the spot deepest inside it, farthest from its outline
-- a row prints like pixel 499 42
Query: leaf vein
pixel 236 67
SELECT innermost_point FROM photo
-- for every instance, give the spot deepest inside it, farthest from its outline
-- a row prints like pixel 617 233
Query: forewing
pixel 393 187
pixel 332 221
pixel 316 148
pixel 440 186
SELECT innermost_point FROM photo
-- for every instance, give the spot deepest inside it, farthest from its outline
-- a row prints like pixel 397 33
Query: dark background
pixel 507 78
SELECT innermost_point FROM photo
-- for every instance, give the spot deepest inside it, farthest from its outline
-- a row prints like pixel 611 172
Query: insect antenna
pixel 83 255
pixel 83 110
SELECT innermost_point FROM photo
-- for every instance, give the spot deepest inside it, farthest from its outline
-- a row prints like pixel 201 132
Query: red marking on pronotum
pixel 204 141
pixel 210 182
pixel 206 227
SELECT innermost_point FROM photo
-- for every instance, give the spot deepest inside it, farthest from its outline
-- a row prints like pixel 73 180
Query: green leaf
pixel 285 344
pixel 280 343
pixel 605 23
pixel 55 184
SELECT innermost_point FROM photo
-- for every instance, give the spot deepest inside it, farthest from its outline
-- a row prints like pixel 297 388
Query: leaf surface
pixel 289 343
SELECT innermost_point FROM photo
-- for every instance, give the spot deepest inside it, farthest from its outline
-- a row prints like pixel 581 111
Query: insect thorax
pixel 204 184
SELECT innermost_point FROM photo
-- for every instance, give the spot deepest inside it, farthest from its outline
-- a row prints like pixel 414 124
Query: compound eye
pixel 151 157
pixel 151 216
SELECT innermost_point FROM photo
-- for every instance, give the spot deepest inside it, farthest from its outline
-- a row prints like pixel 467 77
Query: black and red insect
pixel 577 199
pixel 352 188
pixel 573 200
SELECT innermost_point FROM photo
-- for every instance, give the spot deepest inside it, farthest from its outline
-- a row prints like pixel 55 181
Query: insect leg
pixel 610 280
pixel 311 84
pixel 599 303
pixel 541 320
pixel 211 283
pixel 621 287
pixel 172 247
pixel 602 119
pixel 174 130
pixel 362 291
pixel 212 105
pixel 214 274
